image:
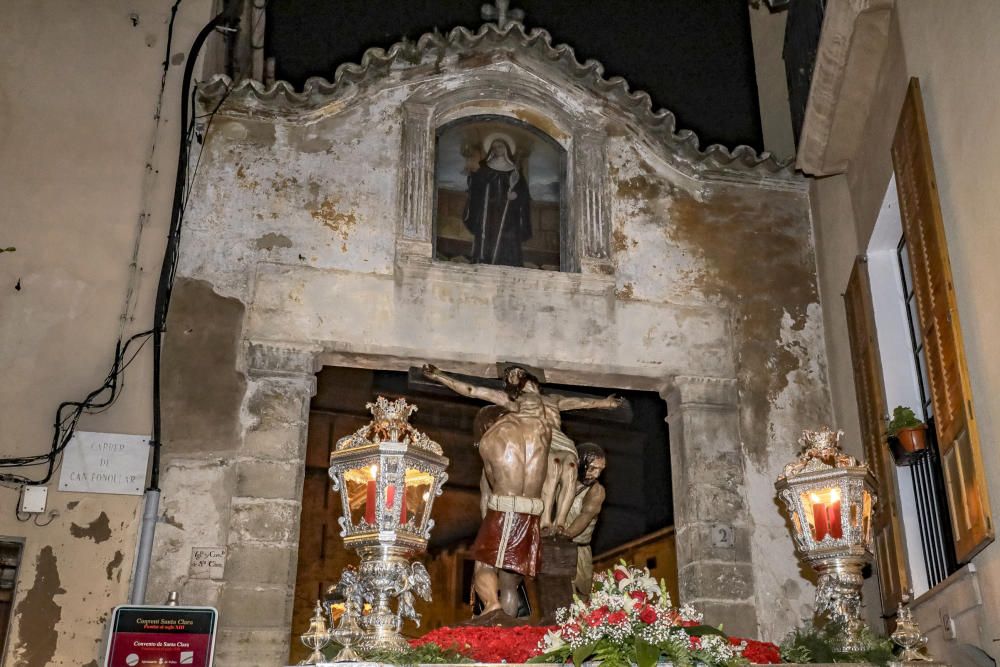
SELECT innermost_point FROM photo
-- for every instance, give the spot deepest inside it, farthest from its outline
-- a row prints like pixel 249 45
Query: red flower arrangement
pixel 517 645
pixel 758 653
pixel 484 644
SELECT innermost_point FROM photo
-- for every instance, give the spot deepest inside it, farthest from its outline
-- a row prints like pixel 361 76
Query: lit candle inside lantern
pixel 370 498
pixel 820 527
pixel 833 515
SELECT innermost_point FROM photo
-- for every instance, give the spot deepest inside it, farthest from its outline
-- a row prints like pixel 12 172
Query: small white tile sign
pixel 722 536
pixel 207 562
pixel 105 463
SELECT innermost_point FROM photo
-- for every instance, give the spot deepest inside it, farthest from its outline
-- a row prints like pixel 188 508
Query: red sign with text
pixel 153 635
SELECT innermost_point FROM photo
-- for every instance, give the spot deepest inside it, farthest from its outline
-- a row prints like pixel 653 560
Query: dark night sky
pixel 694 57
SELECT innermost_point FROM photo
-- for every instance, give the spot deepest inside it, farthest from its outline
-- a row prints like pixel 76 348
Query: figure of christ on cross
pixel 515 451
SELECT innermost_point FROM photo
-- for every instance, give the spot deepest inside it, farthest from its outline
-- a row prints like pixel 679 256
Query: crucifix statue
pixel 501 12
pixel 515 451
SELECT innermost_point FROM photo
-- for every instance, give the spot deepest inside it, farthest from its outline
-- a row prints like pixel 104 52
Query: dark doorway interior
pixel 637 477
pixel 10 560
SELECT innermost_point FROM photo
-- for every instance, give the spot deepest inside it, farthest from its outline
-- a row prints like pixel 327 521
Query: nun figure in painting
pixel 498 210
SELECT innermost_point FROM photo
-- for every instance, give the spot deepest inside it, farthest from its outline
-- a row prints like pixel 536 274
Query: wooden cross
pixel 501 12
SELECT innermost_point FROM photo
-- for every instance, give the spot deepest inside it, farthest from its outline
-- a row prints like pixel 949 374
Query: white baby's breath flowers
pixel 719 648
pixel 626 605
pixel 690 613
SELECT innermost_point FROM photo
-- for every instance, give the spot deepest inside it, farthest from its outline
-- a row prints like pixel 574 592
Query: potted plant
pixel 908 431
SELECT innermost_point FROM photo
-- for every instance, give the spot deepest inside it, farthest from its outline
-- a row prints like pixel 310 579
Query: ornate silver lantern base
pixel 386 573
pixel 838 594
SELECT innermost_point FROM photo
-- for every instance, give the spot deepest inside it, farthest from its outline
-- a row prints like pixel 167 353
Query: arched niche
pixel 585 232
pixel 514 216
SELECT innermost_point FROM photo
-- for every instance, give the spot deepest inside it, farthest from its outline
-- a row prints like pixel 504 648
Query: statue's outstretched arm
pixel 592 504
pixel 494 396
pixel 581 403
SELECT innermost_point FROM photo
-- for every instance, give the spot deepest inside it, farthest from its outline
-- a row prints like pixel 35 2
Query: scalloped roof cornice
pixel 377 63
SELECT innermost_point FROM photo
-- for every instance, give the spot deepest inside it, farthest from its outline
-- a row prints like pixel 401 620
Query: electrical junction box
pixel 33 499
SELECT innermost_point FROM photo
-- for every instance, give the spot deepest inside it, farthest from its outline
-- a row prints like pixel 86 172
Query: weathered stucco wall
pixel 78 89
pixel 955 55
pixel 708 294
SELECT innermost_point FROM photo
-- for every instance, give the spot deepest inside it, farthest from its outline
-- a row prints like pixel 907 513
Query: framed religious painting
pixel 500 185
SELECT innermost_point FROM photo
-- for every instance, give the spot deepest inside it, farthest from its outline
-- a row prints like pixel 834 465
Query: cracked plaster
pixel 711 275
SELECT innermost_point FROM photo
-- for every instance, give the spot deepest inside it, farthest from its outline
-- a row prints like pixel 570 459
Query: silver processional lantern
pixel 831 499
pixel 388 474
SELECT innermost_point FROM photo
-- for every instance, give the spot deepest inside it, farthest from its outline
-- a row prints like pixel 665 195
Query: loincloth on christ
pixel 509 537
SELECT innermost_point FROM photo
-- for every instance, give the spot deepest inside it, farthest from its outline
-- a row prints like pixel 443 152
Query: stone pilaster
pixel 256 601
pixel 710 512
pixel 416 192
pixel 587 243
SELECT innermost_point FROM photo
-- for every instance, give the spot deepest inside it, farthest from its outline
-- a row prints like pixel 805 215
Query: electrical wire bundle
pixel 103 397
pixel 69 413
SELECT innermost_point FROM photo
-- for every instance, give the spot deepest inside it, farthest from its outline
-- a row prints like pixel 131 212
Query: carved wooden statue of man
pixel 560 483
pixel 586 505
pixel 515 452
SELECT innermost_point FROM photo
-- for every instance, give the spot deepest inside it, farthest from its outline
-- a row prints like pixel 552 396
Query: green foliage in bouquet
pixel 426 654
pixel 812 644
pixel 629 620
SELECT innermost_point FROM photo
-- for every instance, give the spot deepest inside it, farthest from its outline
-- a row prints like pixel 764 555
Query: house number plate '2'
pixel 722 536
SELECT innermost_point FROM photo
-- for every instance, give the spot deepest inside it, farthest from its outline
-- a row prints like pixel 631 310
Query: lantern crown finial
pixel 821 449
pixel 391 419
pixel 390 423
pixel 823 439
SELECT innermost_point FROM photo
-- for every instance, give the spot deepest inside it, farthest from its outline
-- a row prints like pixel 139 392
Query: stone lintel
pixel 848 59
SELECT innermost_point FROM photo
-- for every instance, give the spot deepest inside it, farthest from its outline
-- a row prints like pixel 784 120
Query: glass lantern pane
pixel 360 483
pixel 867 516
pixel 418 494
pixel 822 510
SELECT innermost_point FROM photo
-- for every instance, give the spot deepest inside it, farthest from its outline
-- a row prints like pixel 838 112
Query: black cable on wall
pixel 69 413
pixel 229 16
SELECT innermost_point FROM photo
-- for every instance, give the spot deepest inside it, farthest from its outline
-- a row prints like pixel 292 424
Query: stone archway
pixel 705 455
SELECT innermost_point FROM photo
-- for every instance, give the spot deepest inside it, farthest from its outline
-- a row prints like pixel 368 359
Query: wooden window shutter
pixel 947 373
pixel 890 558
